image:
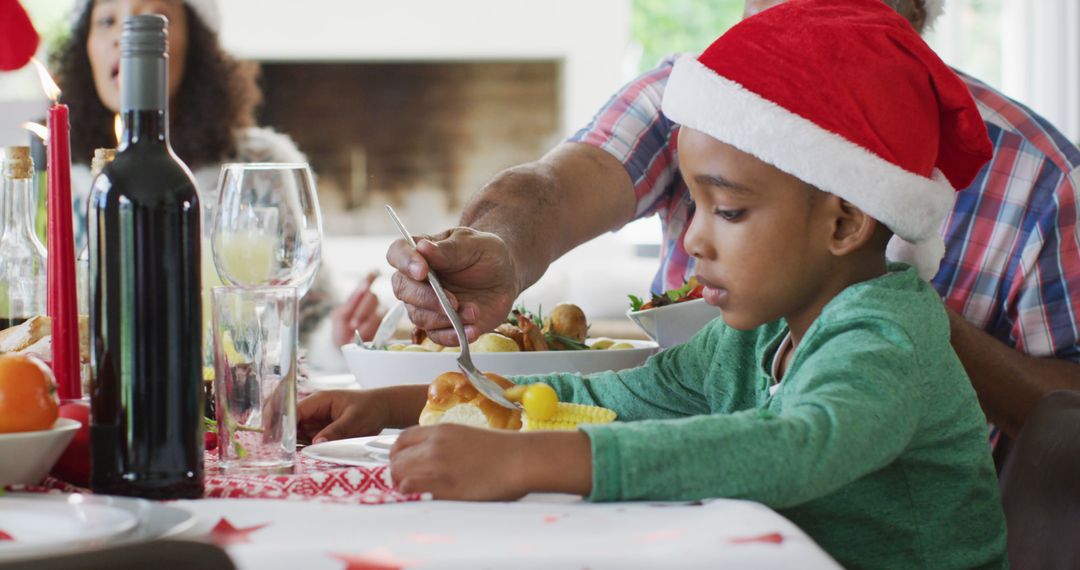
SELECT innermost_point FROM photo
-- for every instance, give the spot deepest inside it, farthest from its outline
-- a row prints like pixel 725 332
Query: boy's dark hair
pixel 217 96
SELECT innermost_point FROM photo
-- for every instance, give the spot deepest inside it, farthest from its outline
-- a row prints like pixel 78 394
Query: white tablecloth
pixel 545 531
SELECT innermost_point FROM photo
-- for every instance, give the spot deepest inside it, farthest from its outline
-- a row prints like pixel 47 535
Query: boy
pixel 829 391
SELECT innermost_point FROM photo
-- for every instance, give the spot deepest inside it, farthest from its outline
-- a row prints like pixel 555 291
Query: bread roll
pixel 34 336
pixel 452 399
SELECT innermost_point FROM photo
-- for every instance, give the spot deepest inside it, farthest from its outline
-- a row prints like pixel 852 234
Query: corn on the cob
pixel 569 417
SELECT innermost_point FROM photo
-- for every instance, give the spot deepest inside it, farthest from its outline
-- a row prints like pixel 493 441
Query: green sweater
pixel 874 442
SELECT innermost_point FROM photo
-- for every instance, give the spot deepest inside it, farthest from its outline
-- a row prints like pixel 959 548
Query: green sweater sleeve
pixel 848 406
pixel 668 385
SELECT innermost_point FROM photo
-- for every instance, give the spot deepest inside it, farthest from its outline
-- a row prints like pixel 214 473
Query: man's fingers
pixel 405 259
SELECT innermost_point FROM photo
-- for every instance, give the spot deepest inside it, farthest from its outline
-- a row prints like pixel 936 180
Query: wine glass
pixel 267 229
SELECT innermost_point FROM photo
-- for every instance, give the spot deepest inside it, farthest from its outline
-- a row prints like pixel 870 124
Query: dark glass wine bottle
pixel 145 308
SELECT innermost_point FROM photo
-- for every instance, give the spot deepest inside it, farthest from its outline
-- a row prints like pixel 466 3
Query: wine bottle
pixel 145 308
pixel 22 257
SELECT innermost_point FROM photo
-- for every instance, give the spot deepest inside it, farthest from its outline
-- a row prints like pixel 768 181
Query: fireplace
pixel 417 103
pixel 422 136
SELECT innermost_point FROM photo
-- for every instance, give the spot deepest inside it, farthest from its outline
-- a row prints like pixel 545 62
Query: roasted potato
pixel 493 342
pixel 567 320
pixel 512 332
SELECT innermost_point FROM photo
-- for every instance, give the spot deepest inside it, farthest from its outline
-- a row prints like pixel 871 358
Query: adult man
pixel 1010 276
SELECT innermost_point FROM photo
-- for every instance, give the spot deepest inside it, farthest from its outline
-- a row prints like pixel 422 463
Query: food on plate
pixel 28 399
pixel 452 399
pixel 493 342
pixel 566 320
pixel 688 292
pixel 539 400
pixel 566 328
pixel 34 336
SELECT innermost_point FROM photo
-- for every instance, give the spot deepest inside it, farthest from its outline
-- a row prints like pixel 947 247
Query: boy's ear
pixel 852 228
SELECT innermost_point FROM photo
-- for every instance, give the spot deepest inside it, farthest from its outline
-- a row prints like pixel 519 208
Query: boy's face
pixel 758 234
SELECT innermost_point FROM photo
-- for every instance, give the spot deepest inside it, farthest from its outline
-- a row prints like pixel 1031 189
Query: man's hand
pixel 465 463
pixel 360 313
pixel 475 268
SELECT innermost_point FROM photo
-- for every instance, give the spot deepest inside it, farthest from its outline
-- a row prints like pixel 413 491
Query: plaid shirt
pixel 1012 260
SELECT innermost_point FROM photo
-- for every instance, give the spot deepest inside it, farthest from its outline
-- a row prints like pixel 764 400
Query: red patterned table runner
pixel 309 480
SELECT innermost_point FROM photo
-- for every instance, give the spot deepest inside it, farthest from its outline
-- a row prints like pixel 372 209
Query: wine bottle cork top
pixel 102 156
pixel 17 162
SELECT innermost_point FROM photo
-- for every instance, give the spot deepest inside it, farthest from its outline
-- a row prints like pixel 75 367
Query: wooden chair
pixel 1040 486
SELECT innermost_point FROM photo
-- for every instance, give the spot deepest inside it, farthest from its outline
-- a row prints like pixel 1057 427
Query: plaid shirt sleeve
pixel 631 128
pixel 1012 261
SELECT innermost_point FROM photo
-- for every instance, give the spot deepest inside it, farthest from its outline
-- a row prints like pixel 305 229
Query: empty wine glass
pixel 267 229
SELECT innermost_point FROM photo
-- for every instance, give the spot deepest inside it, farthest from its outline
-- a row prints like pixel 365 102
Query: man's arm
pixel 512 230
pixel 543 209
pixel 1008 383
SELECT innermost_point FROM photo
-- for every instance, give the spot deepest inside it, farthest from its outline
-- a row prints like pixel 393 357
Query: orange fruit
pixel 28 399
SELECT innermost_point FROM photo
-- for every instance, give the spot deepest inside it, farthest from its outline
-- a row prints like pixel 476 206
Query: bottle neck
pixel 19 210
pixel 144 99
pixel 145 126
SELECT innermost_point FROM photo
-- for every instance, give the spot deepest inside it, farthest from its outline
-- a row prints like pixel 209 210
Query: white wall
pixel 1041 59
pixel 589 36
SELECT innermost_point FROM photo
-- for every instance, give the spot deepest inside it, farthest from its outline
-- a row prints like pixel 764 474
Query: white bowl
pixel 27 456
pixel 676 323
pixel 378 368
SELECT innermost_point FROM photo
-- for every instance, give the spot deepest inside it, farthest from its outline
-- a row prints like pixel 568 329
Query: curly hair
pixel 217 96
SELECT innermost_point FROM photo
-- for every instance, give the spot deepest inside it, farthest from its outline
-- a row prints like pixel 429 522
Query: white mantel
pixel 588 36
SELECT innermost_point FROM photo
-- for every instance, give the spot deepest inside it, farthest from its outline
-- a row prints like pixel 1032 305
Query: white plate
pixel 329 382
pixel 371 451
pixel 47 524
pixel 378 368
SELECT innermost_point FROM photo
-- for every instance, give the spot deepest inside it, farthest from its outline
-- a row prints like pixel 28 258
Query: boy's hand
pixel 459 463
pixel 464 463
pixel 338 414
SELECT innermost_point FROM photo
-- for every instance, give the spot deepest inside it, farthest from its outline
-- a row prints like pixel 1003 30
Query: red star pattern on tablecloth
pixel 225 534
pixel 771 538
pixel 5 536
pixel 380 559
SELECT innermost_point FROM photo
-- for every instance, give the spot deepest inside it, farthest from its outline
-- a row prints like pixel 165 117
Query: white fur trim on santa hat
pixel 925 256
pixel 912 206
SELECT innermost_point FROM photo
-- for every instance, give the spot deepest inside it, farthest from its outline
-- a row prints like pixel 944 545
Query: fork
pixel 483 384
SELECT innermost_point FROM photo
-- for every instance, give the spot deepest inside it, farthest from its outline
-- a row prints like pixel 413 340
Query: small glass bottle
pixel 23 269
pixel 102 156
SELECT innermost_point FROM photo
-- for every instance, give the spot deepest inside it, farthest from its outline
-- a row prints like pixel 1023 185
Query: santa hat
pixel 18 38
pixel 844 95
pixel 206 10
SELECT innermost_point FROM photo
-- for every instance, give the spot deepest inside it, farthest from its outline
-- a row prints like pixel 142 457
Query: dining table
pixel 344 513
pixel 321 515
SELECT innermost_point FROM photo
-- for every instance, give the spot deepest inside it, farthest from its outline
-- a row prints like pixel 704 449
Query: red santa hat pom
pixel 846 96
pixel 18 39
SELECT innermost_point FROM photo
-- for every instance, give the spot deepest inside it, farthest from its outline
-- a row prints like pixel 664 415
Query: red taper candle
pixel 62 303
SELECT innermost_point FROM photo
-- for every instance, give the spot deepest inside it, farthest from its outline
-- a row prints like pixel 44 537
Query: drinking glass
pixel 255 344
pixel 267 228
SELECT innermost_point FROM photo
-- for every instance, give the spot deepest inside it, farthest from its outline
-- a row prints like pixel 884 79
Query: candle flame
pixel 118 127
pixel 52 90
pixel 38 129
